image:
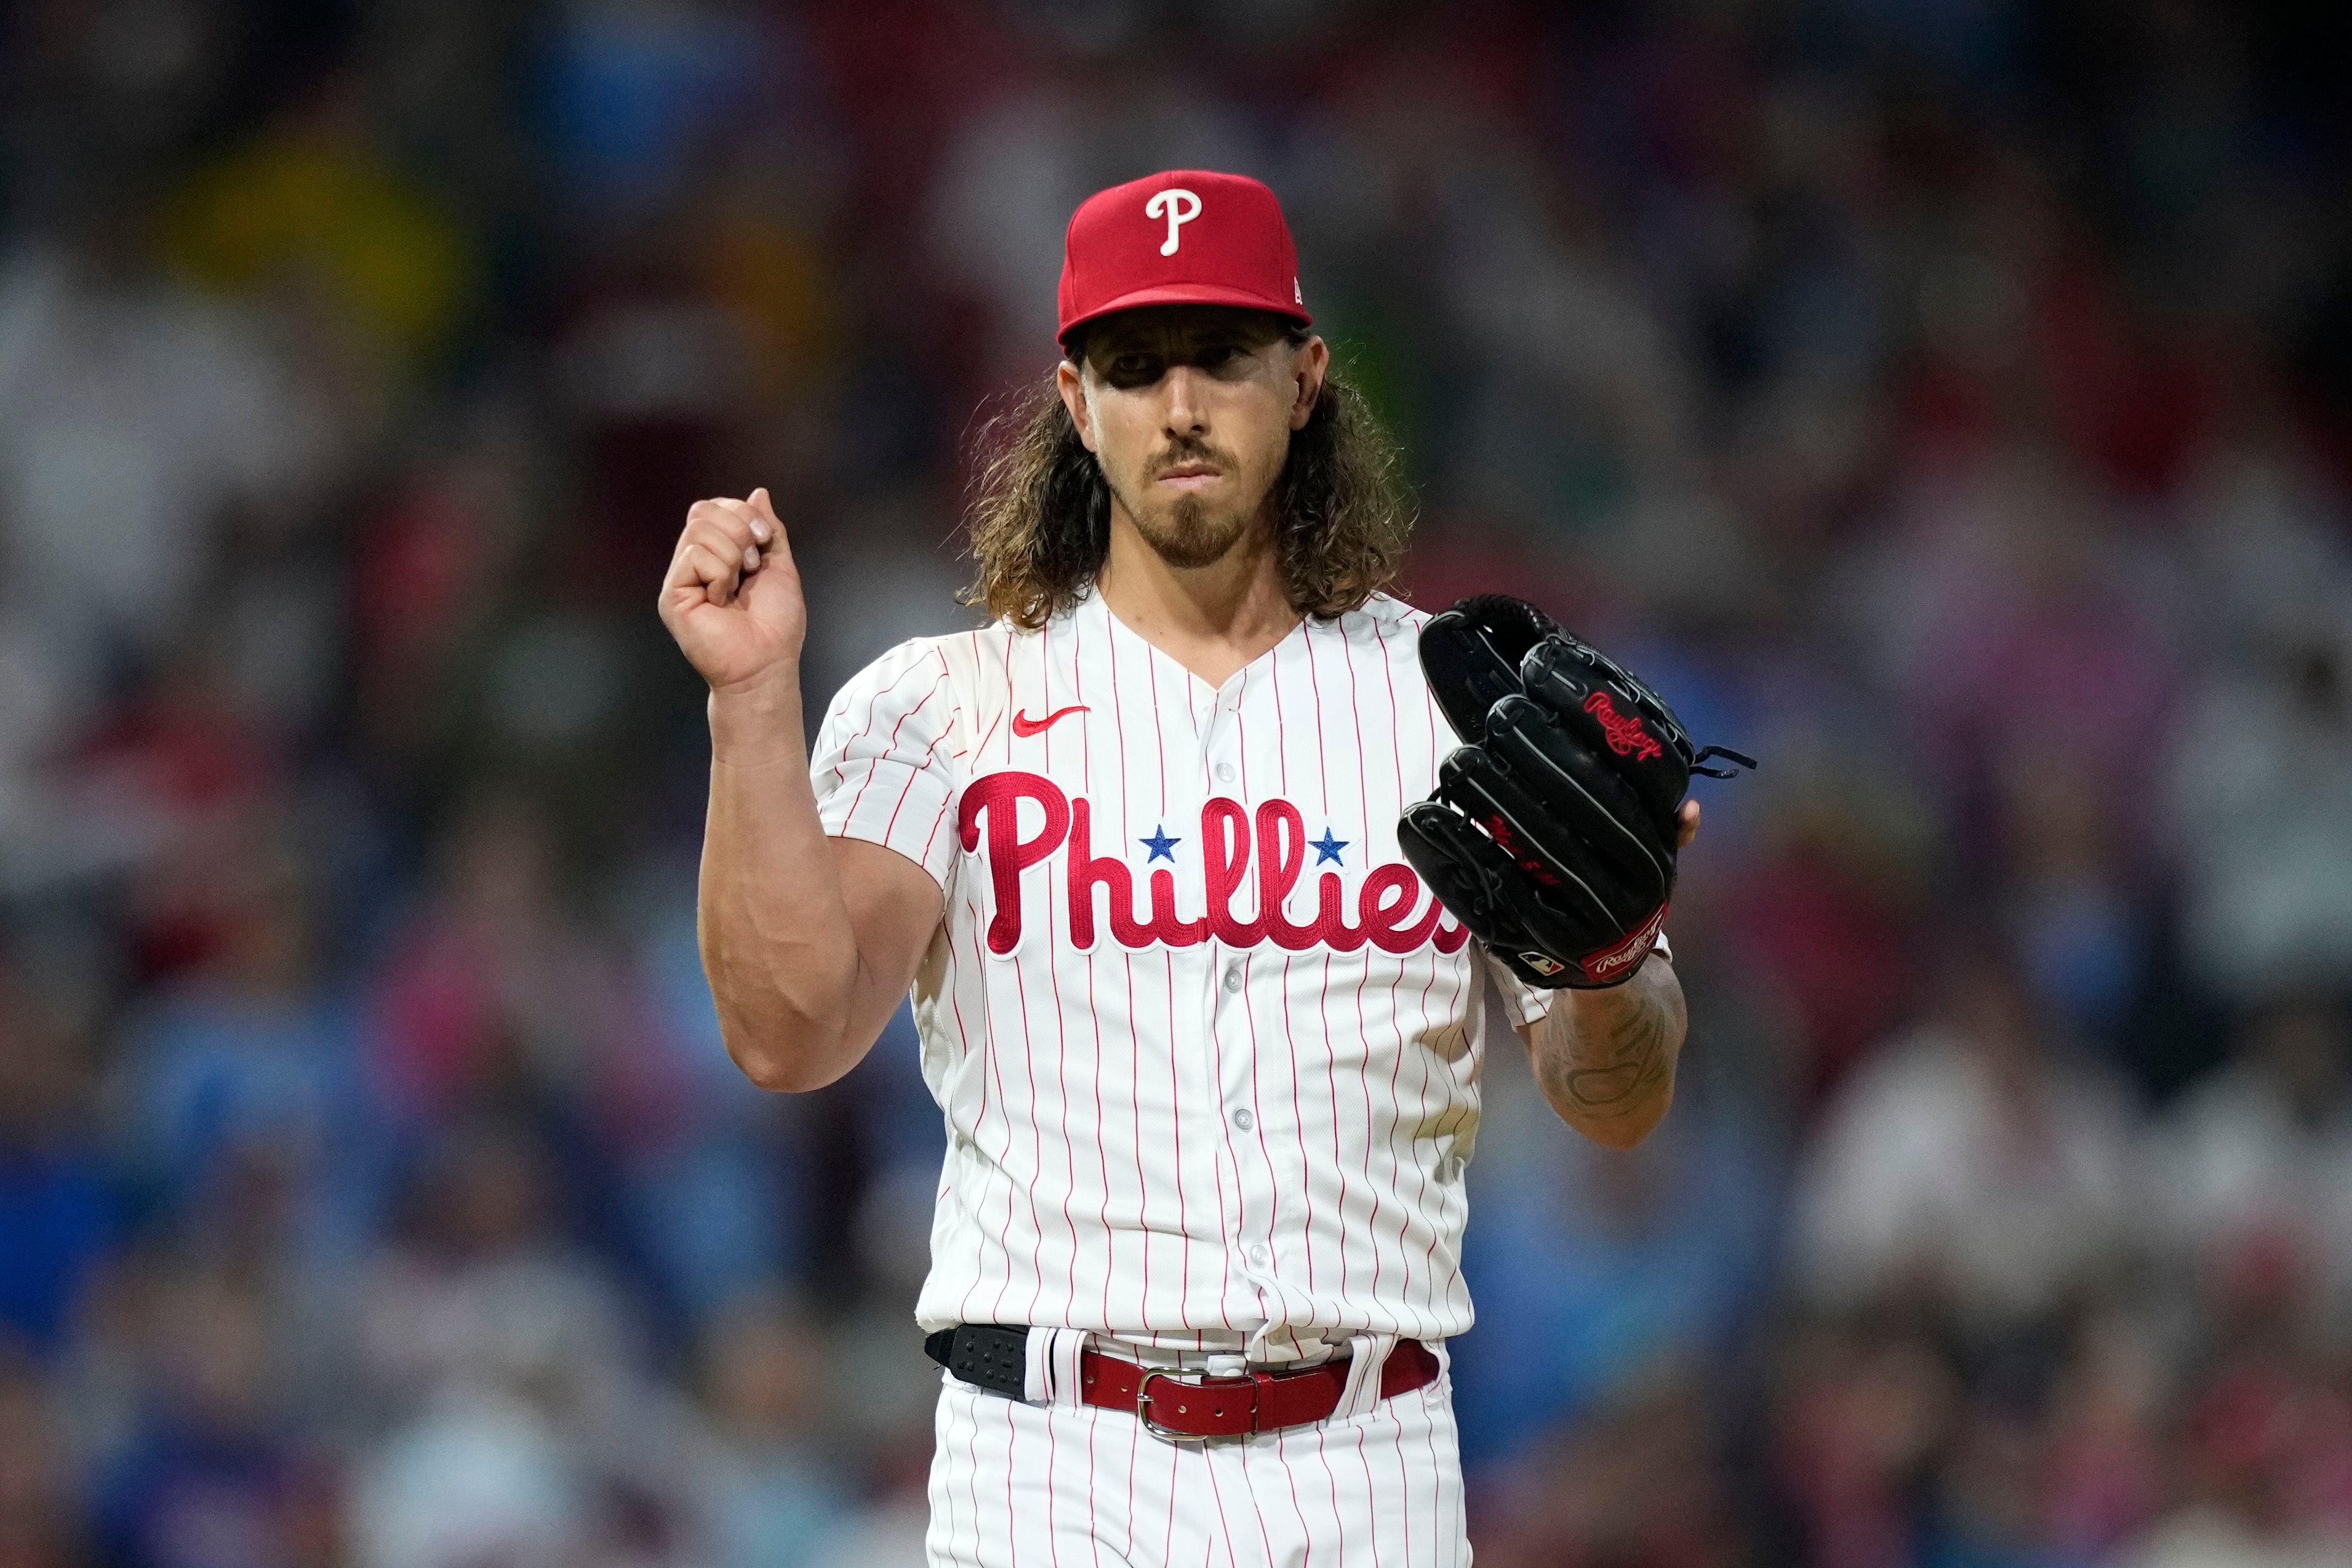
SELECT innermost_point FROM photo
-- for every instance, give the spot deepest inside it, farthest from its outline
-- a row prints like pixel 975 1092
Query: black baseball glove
pixel 1553 831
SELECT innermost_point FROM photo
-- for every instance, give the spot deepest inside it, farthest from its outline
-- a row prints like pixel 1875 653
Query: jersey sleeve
pixel 1527 1003
pixel 885 765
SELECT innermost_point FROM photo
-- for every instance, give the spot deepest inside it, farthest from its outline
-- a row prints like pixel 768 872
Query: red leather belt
pixel 1181 1405
pixel 1177 1404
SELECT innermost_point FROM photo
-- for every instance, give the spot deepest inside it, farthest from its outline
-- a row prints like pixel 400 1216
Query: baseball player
pixel 1157 854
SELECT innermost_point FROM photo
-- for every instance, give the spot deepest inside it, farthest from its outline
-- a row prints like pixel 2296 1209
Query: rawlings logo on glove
pixel 1624 734
pixel 1554 829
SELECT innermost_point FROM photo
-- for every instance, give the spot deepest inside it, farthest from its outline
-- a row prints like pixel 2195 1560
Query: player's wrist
pixel 756 719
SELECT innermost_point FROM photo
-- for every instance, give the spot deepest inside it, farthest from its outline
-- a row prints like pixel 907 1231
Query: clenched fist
pixel 732 596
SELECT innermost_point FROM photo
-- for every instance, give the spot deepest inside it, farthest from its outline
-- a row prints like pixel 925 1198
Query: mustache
pixel 1191 451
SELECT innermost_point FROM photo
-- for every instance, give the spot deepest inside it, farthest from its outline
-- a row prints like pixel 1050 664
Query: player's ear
pixel 1307 373
pixel 1071 384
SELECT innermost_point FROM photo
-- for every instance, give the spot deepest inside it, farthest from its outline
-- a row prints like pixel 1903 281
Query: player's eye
pixel 1227 359
pixel 1132 369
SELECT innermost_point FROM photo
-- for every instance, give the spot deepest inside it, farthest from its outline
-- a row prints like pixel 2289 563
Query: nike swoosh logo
pixel 1024 725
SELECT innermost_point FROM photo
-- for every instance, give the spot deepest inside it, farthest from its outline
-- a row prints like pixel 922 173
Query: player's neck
pixel 1211 619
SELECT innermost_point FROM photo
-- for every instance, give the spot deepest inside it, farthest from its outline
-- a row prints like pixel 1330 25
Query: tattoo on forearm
pixel 1633 1065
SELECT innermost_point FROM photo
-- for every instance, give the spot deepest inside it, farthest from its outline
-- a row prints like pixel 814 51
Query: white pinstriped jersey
pixel 1208 1050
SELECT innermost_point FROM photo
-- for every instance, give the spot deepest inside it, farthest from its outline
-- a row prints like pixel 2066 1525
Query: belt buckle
pixel 1143 1404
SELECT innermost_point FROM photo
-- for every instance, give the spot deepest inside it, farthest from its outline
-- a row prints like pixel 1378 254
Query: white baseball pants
pixel 1053 1483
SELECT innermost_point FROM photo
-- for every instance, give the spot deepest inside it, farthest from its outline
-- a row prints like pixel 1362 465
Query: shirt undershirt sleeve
pixel 884 765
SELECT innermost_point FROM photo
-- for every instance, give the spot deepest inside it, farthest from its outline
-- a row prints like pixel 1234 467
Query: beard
pixel 1190 533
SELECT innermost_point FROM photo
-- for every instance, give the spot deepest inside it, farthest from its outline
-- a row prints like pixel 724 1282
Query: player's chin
pixel 1191 535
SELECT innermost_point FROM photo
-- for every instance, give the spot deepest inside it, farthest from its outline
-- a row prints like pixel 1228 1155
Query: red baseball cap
pixel 1183 237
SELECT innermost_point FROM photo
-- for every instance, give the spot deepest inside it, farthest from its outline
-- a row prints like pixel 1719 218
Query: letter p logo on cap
pixel 1181 208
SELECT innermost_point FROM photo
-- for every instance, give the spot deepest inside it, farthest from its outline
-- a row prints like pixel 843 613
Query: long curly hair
pixel 1040 513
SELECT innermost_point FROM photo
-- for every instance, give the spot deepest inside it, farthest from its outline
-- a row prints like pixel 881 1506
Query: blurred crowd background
pixel 1948 401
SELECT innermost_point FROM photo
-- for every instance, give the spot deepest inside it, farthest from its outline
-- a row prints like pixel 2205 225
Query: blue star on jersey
pixel 1327 848
pixel 1162 846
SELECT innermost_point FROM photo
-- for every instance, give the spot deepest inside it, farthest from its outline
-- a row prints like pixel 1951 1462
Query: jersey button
pixel 1260 1257
pixel 1232 977
pixel 1225 772
pixel 1245 1121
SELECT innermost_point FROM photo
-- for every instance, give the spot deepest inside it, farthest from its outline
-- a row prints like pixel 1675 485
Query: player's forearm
pixel 1605 1059
pixel 777 942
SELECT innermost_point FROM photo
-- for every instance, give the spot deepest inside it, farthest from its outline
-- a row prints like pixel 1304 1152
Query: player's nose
pixel 1187 414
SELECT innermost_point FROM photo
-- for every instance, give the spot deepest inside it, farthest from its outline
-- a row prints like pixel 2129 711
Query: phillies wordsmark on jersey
pixel 1206 1048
